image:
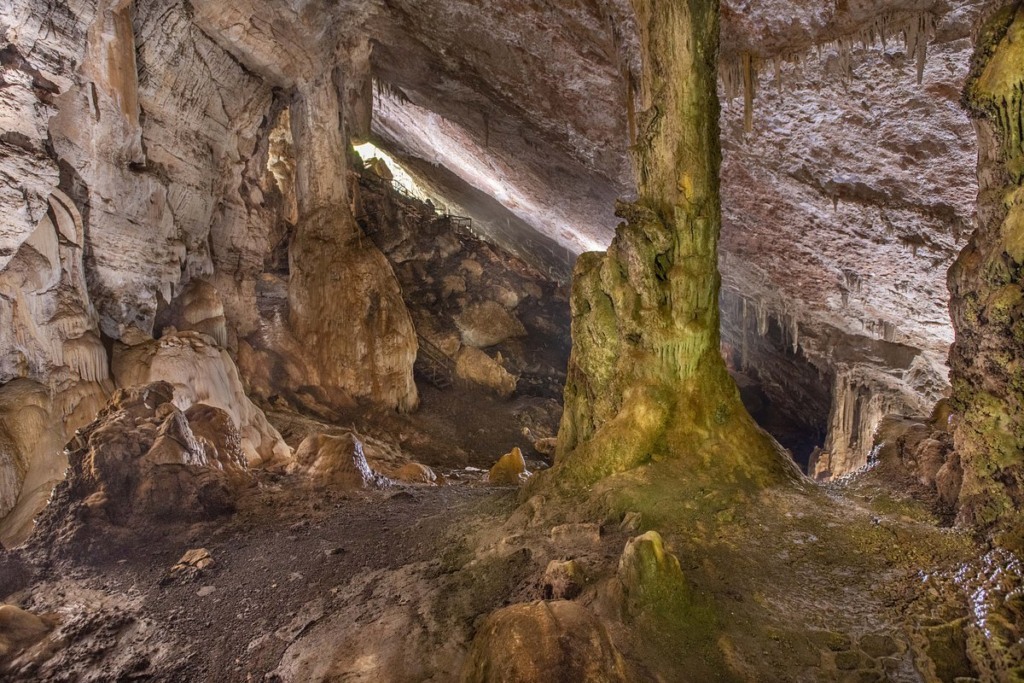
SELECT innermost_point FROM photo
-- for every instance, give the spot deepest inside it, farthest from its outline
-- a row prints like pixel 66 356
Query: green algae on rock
pixel 987 306
pixel 646 378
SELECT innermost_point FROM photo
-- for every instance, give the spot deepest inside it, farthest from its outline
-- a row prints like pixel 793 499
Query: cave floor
pixel 806 584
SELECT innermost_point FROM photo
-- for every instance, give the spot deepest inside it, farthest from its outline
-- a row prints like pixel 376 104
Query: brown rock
pixel 546 446
pixel 563 580
pixel 540 642
pixel 488 323
pixel 203 373
pixel 337 462
pixel 20 629
pixel 415 473
pixel 510 470
pixel 476 367
pixel 141 458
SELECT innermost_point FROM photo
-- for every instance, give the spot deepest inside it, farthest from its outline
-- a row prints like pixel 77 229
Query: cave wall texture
pixel 137 205
pixel 987 304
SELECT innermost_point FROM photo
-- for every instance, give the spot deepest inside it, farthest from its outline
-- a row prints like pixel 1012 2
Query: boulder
pixel 200 372
pixel 488 323
pixel 141 459
pixel 337 462
pixel 543 641
pixel 19 630
pixel 415 473
pixel 563 580
pixel 510 470
pixel 475 367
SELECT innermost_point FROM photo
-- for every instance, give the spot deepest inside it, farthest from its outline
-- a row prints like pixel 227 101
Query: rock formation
pixel 646 379
pixel 144 458
pixel 987 303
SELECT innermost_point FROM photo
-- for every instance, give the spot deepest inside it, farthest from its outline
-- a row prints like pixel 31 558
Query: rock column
pixel 346 307
pixel 646 379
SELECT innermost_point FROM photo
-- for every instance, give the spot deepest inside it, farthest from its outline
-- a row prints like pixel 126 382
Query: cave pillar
pixel 346 306
pixel 646 378
pixel 987 304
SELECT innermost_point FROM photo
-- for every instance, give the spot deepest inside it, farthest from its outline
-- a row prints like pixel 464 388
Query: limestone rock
pixel 543 641
pixel 32 458
pixel 345 305
pixel 199 308
pixel 650 575
pixel 193 563
pixel 202 373
pixel 488 323
pixel 476 367
pixel 415 473
pixel 563 580
pixel 140 460
pixel 510 470
pixel 546 446
pixel 20 629
pixel 337 462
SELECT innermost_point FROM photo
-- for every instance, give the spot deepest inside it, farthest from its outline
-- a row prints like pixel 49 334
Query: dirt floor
pixel 856 582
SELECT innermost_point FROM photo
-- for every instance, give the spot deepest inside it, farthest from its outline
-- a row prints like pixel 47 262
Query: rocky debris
pixel 337 462
pixel 563 580
pixel 488 323
pixel 19 630
pixel 510 470
pixel 142 460
pixel 201 372
pixel 414 473
pixel 476 367
pixel 916 458
pixel 193 563
pixel 543 641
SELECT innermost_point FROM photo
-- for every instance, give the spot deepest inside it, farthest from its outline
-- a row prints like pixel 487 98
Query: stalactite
pixel 739 74
pixel 749 83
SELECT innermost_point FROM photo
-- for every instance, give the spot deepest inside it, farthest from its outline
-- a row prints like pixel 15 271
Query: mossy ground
pixel 792 582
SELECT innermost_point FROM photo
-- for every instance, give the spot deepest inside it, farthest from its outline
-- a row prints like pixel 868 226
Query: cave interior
pixel 500 341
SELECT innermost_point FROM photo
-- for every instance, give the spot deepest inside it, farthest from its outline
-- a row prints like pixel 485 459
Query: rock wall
pixel 138 203
pixel 988 303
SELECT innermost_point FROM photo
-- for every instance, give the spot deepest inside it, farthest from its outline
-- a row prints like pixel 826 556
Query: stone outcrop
pixel 145 460
pixel 987 304
pixel 20 629
pixel 32 457
pixel 200 372
pixel 337 462
pixel 543 641
pixel 476 367
pixel 510 470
